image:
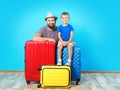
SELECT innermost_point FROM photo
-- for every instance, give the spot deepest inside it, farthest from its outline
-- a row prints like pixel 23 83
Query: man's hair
pixel 65 13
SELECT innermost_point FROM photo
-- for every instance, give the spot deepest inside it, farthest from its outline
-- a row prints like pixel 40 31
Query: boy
pixel 65 34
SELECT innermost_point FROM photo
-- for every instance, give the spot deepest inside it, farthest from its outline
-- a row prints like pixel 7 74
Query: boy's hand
pixel 64 43
pixel 68 42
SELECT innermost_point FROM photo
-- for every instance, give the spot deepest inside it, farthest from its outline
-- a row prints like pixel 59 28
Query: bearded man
pixel 48 32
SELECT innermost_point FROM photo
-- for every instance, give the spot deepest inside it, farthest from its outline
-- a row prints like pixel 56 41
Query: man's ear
pixel 45 19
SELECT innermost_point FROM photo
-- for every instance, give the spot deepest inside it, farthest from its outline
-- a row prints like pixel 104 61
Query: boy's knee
pixel 60 46
pixel 70 47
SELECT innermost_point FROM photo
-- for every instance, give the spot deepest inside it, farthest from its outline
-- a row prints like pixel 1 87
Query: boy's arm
pixel 71 36
pixel 59 37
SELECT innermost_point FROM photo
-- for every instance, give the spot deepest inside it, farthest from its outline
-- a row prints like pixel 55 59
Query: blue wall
pixel 96 24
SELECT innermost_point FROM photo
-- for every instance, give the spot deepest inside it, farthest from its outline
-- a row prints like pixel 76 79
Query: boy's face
pixel 65 19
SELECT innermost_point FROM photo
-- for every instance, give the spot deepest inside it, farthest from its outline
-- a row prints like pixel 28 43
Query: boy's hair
pixel 65 13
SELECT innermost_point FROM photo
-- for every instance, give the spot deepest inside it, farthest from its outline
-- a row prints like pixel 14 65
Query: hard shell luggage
pixel 75 63
pixel 38 53
pixel 55 76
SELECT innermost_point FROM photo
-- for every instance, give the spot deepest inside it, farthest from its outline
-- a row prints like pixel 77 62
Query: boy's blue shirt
pixel 65 31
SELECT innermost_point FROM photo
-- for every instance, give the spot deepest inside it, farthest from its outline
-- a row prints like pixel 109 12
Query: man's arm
pixel 38 37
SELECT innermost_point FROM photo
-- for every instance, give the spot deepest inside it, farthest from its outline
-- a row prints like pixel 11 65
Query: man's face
pixel 51 22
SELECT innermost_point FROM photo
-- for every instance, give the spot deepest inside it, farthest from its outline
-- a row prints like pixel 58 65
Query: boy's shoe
pixel 59 63
pixel 68 64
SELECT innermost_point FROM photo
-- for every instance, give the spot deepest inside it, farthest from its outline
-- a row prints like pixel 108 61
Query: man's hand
pixel 50 39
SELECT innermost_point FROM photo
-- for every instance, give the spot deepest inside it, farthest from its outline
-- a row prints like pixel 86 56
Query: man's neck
pixel 52 29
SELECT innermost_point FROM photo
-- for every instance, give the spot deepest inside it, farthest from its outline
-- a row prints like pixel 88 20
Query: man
pixel 48 32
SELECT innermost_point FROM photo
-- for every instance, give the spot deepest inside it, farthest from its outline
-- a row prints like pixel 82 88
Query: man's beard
pixel 52 27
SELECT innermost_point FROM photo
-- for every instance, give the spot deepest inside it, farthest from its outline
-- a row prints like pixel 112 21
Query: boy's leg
pixel 69 54
pixel 59 54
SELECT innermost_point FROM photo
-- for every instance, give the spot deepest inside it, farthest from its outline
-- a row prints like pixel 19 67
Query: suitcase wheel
pixel 39 85
pixel 77 81
pixel 40 68
pixel 38 82
pixel 28 82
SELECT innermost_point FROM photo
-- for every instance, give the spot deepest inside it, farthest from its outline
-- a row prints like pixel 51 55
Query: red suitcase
pixel 38 53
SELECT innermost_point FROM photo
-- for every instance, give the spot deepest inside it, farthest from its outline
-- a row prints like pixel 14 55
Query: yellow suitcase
pixel 55 76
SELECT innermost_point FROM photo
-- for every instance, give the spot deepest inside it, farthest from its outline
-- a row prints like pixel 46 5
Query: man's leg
pixel 59 54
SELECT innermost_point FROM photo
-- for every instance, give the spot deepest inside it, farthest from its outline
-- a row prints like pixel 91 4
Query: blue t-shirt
pixel 65 31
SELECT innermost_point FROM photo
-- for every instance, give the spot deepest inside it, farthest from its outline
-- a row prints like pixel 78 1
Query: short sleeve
pixel 59 29
pixel 71 28
pixel 41 32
